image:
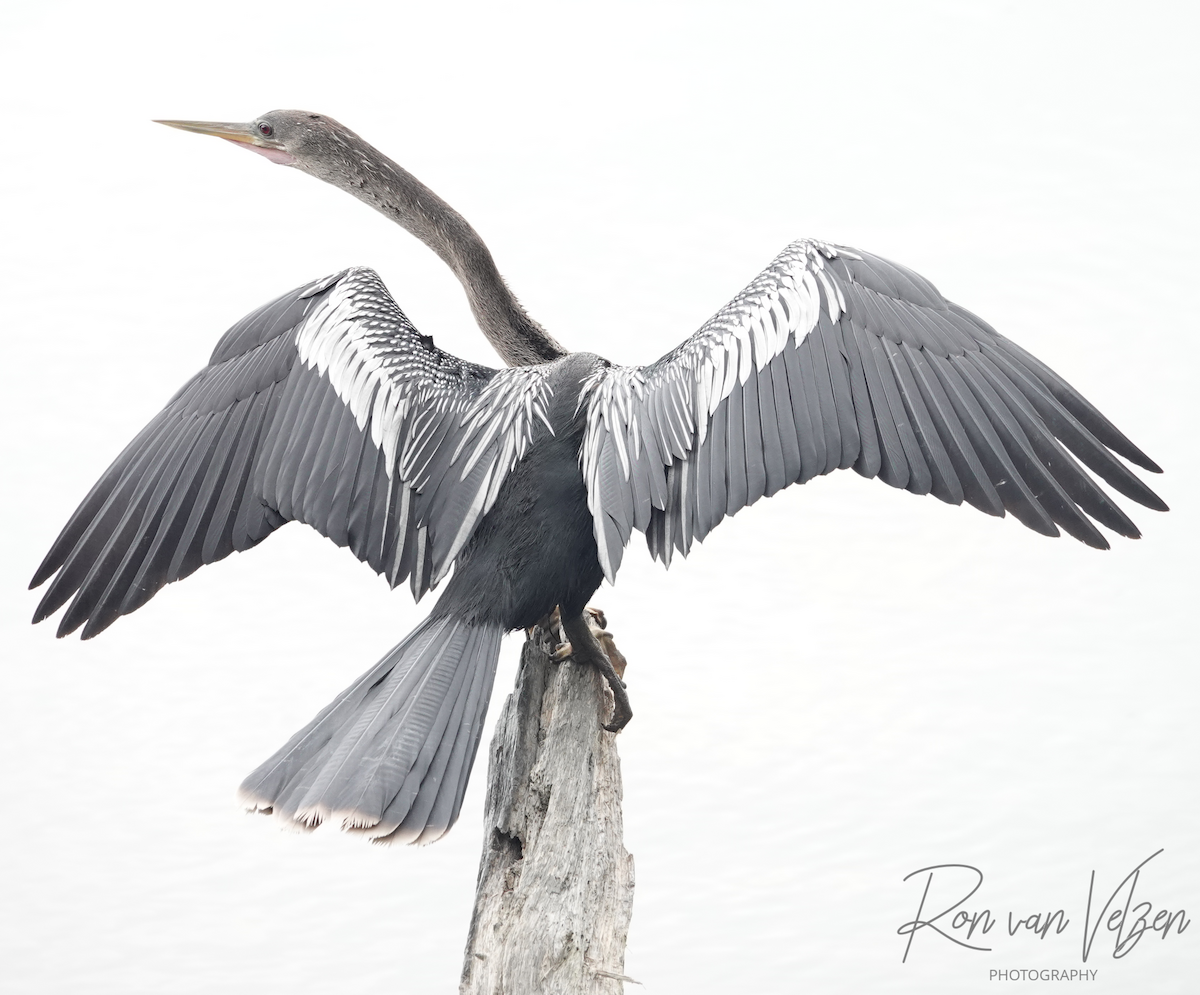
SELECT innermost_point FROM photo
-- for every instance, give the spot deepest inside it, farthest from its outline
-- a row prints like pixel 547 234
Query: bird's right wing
pixel 325 407
pixel 834 358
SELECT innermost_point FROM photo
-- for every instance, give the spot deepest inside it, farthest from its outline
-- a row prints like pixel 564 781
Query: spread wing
pixel 325 407
pixel 834 358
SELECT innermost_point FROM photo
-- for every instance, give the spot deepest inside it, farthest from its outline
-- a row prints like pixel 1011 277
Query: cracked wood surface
pixel 555 889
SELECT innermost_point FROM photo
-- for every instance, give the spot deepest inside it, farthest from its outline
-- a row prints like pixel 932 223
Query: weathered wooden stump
pixel 555 890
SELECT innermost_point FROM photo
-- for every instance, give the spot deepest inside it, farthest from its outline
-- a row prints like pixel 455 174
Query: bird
pixel 524 484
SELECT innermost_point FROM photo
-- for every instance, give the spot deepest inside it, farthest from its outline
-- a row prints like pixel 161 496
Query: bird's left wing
pixel 325 407
pixel 835 358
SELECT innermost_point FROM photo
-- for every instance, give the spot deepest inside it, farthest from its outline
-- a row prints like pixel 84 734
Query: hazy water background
pixel 843 685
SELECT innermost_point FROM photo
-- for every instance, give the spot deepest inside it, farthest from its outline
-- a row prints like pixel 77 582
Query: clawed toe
pixel 622 713
pixel 584 640
pixel 585 647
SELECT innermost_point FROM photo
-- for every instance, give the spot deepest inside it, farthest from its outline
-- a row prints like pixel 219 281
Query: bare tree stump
pixel 555 890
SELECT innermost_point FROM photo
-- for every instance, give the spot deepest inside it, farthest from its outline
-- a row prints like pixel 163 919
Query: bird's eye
pixel 265 129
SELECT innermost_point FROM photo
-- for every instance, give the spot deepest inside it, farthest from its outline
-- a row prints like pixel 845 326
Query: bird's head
pixel 289 138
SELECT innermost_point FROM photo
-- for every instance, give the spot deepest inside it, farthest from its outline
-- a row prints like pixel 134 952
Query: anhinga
pixel 327 407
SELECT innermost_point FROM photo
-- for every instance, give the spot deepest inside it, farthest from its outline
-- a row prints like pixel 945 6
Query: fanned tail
pixel 391 755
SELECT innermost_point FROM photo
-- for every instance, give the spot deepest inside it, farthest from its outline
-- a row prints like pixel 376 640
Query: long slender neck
pixel 375 179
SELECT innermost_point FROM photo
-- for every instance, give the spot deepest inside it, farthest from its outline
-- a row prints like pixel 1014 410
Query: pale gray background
pixel 843 685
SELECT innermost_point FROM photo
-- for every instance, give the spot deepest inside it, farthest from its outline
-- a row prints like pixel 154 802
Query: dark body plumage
pixel 327 407
pixel 536 548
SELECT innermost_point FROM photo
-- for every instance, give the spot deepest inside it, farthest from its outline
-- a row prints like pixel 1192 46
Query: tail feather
pixel 386 738
pixel 388 746
pixel 434 809
pixel 391 755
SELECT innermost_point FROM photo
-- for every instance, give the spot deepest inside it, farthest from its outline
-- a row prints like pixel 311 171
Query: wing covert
pixel 834 358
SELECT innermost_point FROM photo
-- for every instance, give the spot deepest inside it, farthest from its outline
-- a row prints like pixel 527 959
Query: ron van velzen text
pixel 1113 922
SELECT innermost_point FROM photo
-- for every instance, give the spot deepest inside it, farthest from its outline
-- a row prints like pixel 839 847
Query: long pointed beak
pixel 245 135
